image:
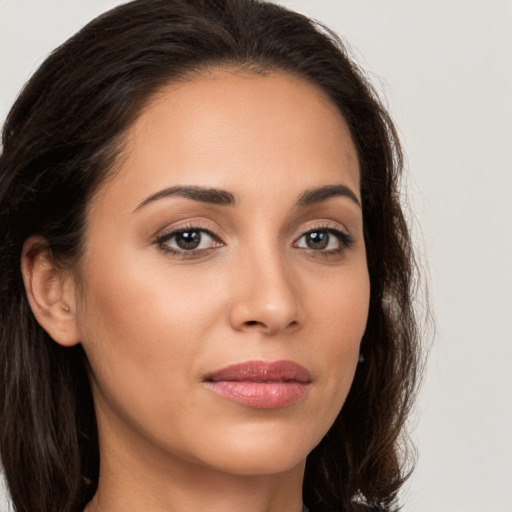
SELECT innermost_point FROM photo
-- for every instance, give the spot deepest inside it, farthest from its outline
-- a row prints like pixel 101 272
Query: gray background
pixel 445 69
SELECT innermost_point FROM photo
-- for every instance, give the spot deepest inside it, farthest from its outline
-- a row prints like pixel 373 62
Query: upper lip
pixel 261 371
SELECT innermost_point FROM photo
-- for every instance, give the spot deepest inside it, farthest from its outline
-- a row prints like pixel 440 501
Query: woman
pixel 213 310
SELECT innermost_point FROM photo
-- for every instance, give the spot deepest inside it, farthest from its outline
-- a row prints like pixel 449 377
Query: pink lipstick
pixel 261 384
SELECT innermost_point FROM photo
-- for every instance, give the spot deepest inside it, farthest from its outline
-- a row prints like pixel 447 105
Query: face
pixel 224 281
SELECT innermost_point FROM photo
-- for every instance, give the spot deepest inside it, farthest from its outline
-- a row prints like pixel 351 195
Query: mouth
pixel 261 384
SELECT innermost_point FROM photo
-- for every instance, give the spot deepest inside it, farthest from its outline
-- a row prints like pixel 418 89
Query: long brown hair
pixel 60 141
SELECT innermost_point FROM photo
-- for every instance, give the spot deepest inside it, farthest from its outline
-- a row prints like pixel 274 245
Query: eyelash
pixel 183 253
pixel 345 240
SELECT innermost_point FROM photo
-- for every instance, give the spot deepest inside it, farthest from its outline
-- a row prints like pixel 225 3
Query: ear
pixel 51 292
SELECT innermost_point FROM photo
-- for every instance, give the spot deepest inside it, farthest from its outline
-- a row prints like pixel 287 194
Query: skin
pixel 153 323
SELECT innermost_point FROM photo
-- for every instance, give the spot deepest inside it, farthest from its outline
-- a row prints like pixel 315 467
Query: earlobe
pixel 50 292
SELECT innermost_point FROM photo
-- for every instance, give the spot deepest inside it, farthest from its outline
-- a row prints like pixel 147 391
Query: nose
pixel 266 298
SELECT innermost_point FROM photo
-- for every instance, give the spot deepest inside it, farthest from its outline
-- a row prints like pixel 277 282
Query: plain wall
pixel 445 68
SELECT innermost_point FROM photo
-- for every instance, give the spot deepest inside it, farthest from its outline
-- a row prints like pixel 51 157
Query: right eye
pixel 188 241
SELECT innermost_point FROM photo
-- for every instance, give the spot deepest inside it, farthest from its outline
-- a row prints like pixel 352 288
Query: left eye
pixel 188 240
pixel 322 240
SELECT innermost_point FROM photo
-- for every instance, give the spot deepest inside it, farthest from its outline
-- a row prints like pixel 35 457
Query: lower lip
pixel 260 395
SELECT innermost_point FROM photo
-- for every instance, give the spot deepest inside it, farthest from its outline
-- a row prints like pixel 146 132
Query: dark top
pixel 366 508
pixel 361 507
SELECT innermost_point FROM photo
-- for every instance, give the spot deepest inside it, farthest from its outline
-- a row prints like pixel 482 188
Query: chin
pixel 264 462
pixel 262 451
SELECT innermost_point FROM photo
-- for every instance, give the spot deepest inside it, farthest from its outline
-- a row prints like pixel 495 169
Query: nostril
pixel 255 323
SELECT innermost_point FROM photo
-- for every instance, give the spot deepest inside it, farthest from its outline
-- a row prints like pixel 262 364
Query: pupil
pixel 188 239
pixel 317 240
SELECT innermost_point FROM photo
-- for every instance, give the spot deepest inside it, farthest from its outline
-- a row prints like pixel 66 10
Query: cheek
pixel 139 324
pixel 339 322
pixel 339 305
pixel 143 330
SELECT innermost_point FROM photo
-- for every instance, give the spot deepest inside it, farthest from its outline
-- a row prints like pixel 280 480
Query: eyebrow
pixel 224 198
pixel 204 195
pixel 317 195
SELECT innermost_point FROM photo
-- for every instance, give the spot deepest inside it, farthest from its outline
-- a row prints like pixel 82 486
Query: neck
pixel 145 479
pixel 196 489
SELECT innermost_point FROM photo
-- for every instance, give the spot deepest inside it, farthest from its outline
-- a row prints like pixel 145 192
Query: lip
pixel 261 384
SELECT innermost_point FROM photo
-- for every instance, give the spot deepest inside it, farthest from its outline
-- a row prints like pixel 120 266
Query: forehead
pixel 225 129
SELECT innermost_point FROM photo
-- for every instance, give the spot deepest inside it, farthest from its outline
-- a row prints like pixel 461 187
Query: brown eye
pixel 326 240
pixel 188 240
pixel 321 240
pixel 317 239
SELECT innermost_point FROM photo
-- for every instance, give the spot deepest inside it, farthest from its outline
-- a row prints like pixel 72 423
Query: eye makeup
pixel 325 240
pixel 188 241
pixel 195 240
